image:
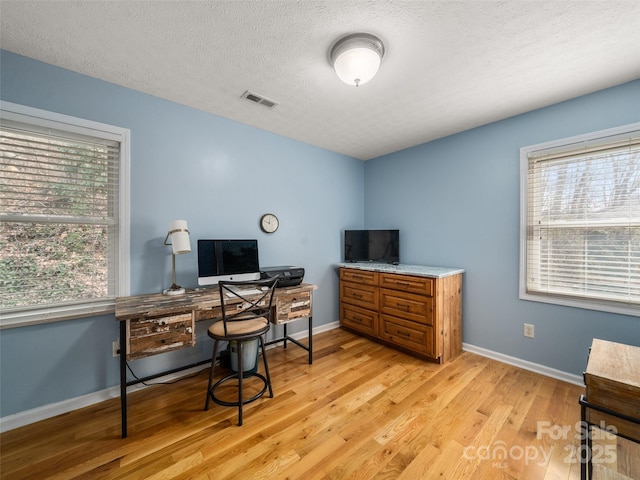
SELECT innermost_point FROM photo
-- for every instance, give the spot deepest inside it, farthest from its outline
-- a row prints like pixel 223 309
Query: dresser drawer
pixel 410 306
pixel 148 336
pixel 407 283
pixel 412 336
pixel 292 307
pixel 360 319
pixel 364 296
pixel 359 276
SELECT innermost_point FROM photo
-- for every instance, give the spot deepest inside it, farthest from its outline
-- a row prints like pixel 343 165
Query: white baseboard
pixel 27 417
pixel 319 329
pixel 531 366
pixel 53 409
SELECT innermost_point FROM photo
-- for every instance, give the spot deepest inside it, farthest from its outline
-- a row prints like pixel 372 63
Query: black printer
pixel 287 275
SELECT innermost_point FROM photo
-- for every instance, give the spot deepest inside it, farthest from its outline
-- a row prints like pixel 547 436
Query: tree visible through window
pixel 60 210
pixel 582 211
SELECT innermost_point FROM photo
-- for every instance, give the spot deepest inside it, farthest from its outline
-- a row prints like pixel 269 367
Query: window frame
pixel 74 125
pixel 565 300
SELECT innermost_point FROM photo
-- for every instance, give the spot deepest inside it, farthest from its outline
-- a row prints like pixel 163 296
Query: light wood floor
pixel 361 411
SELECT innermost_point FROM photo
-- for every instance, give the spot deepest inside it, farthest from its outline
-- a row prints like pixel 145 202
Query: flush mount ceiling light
pixel 356 57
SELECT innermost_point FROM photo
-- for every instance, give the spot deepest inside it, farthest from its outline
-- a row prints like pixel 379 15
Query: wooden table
pixel 612 399
pixel 156 323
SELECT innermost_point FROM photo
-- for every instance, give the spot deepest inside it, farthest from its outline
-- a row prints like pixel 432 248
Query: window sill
pixel 602 306
pixel 55 314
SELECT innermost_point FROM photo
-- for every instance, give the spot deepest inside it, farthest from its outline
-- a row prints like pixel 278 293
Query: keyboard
pixel 245 291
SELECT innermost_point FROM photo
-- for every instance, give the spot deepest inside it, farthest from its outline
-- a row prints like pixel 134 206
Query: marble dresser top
pixel 419 270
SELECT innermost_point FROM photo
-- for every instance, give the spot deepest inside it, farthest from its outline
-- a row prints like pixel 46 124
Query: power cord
pixel 147 384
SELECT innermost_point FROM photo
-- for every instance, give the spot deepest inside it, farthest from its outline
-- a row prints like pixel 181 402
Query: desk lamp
pixel 179 234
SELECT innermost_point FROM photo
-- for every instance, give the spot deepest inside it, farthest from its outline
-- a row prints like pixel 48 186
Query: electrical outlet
pixel 115 347
pixel 529 330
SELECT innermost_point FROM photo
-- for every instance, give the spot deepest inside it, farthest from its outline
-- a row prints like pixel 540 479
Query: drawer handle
pixel 189 330
pixel 358 295
pixel 163 341
pixel 403 306
pixel 404 334
pixel 404 284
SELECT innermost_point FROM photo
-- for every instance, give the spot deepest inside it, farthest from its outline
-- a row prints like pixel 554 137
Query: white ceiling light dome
pixel 356 58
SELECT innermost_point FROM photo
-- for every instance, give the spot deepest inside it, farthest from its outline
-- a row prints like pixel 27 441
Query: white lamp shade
pixel 357 66
pixel 179 237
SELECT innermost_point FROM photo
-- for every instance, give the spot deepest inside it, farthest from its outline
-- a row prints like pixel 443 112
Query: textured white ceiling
pixel 449 65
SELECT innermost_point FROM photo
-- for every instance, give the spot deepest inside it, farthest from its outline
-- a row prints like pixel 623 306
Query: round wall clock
pixel 269 223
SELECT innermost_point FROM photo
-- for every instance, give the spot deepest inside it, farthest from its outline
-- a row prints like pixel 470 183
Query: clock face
pixel 269 223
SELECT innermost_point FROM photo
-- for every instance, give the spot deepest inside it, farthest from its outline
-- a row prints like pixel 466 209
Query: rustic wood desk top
pixel 156 304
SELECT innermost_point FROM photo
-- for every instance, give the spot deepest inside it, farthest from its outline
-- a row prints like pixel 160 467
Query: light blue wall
pixel 456 202
pixel 220 176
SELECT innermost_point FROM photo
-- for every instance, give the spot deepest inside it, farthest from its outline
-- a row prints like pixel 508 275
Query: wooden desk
pixel 612 399
pixel 157 323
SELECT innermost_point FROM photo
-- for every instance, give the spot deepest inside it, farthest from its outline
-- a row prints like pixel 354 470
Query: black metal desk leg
pixel 285 335
pixel 590 450
pixel 584 449
pixel 310 341
pixel 123 377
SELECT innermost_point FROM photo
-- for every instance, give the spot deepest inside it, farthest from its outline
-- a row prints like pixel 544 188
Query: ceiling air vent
pixel 254 97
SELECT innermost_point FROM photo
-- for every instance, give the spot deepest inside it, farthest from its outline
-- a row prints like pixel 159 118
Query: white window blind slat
pixel 46 173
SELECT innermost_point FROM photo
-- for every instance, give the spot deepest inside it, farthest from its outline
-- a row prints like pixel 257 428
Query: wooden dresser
pixel 414 308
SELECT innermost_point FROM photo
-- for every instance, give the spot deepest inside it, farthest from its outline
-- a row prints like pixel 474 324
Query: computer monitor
pixel 372 246
pixel 227 260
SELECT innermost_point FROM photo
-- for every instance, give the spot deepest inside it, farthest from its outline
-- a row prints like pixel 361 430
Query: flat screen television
pixel 227 260
pixel 372 246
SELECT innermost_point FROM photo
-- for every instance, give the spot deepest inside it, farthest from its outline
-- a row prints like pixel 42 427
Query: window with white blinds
pixel 63 215
pixel 580 209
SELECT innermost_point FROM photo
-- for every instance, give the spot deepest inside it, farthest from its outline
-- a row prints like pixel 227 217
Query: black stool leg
pixel 266 366
pixel 240 371
pixel 213 366
pixel 239 376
